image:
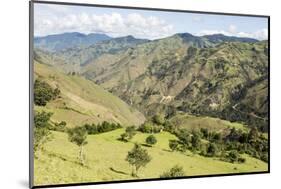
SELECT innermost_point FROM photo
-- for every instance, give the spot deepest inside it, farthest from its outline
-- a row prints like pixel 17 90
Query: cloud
pixel 232 29
pixel 261 34
pixel 197 19
pixel 113 24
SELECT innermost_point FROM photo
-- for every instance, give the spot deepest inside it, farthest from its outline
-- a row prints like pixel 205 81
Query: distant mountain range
pixel 213 75
pixel 68 40
pixel 64 41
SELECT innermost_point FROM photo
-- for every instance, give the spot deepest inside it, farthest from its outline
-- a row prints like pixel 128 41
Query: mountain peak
pixel 184 35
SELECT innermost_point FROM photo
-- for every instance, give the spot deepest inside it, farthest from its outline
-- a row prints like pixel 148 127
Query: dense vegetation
pixel 228 146
pixel 43 92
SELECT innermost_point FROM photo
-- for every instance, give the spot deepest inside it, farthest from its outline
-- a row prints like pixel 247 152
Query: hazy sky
pixel 54 19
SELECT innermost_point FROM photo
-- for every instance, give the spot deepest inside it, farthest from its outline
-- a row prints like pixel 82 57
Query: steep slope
pixel 81 101
pixel 213 75
pixel 119 68
pixel 172 74
pixel 83 56
pixel 68 40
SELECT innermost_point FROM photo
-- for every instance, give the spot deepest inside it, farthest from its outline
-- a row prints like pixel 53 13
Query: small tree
pixel 41 131
pixel 212 149
pixel 43 93
pixel 253 134
pixel 217 137
pixel 173 144
pixel 61 126
pixel 146 127
pixel 131 131
pixel 138 158
pixel 151 140
pixel 195 141
pixel 176 171
pixel 124 137
pixel 78 136
pixel 56 93
pixel 158 119
pixel 205 133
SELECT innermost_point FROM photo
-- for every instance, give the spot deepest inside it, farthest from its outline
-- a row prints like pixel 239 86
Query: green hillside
pixel 199 103
pixel 191 122
pixel 81 101
pixel 105 160
pixel 173 73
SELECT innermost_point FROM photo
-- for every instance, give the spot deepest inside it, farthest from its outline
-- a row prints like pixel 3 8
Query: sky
pixel 55 19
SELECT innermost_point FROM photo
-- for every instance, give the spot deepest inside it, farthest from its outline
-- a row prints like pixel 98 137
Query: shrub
pixel 205 133
pixel 158 119
pixel 184 136
pixel 131 131
pixel 176 171
pixel 195 140
pixel 216 137
pixel 173 144
pixel 264 157
pixel 124 137
pixel 151 140
pixel 61 126
pixel 212 150
pixel 146 128
pixel 168 126
pixel 241 160
pixel 233 156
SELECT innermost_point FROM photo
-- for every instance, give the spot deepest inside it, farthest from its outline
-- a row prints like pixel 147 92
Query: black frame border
pixel 31 116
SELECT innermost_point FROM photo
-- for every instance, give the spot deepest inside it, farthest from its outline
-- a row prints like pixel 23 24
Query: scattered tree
pixel 138 158
pixel 78 136
pixel 41 130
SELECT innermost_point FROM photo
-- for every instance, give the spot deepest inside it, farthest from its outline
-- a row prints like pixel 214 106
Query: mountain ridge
pixel 61 41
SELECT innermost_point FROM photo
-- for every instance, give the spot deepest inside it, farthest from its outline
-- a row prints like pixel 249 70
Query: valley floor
pixel 105 160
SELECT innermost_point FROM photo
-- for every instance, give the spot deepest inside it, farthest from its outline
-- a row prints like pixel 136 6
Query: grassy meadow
pixel 105 160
